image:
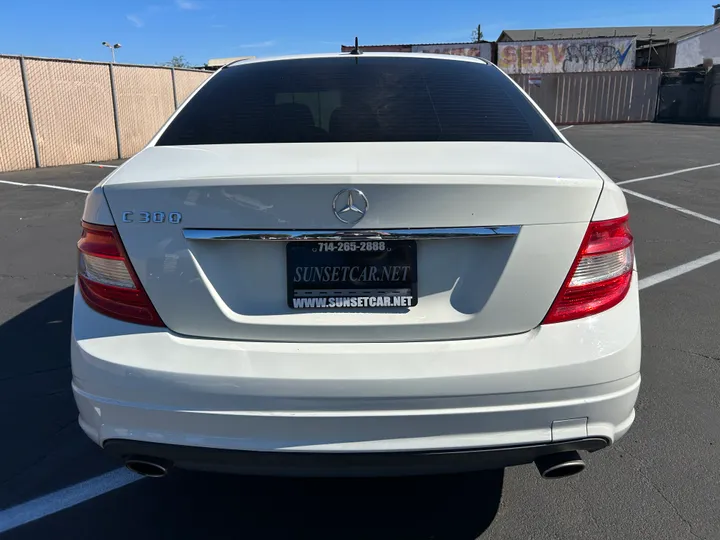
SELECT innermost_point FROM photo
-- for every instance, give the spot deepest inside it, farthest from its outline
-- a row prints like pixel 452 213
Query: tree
pixel 477 35
pixel 178 62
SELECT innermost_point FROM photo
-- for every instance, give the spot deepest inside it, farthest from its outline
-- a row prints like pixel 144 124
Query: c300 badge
pixel 152 217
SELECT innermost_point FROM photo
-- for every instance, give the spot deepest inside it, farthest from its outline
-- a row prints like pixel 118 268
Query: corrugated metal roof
pixel 417 44
pixel 382 45
pixel 698 32
pixel 659 33
pixel 385 48
pixel 572 38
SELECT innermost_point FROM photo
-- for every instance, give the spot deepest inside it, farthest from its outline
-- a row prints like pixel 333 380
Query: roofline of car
pixel 237 63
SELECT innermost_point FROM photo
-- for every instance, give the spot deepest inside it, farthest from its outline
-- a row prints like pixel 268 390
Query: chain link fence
pixel 72 111
pixel 16 147
pixel 145 101
pixel 60 112
pixel 186 82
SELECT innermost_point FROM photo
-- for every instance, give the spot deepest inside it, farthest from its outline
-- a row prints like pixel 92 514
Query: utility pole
pixel 650 49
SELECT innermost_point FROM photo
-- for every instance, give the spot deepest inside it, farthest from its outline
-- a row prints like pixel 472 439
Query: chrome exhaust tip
pixel 560 465
pixel 147 467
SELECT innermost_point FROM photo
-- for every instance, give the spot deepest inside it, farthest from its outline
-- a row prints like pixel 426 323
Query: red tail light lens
pixel 107 280
pixel 601 274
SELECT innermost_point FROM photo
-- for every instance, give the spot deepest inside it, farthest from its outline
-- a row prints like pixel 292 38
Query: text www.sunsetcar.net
pixel 352 302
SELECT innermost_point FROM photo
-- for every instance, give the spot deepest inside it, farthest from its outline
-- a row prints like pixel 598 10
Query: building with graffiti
pixel 617 74
pixel 479 50
pixel 482 49
pixel 583 50
pixel 567 55
pixel 589 49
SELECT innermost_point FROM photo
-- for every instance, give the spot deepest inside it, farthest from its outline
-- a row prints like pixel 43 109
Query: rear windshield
pixel 357 99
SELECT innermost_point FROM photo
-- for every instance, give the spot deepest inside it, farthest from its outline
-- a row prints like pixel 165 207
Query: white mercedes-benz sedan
pixel 356 264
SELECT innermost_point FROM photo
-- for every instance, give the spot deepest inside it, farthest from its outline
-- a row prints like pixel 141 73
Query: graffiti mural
pixel 567 56
pixel 483 50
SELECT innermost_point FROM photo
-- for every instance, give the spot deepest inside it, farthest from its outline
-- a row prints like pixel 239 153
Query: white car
pixel 356 264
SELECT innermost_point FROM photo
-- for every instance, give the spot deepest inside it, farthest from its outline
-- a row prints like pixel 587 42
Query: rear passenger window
pixel 357 99
pixel 320 104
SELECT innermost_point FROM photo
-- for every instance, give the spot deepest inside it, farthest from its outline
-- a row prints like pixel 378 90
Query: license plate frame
pixel 343 262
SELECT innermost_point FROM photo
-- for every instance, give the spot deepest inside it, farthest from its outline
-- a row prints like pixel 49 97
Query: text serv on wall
pixel 479 50
pixel 567 55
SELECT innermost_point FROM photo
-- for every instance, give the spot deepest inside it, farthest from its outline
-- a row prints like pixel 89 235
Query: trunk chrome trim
pixel 351 234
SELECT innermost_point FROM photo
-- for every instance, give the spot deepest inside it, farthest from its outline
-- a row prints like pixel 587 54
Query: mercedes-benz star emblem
pixel 350 205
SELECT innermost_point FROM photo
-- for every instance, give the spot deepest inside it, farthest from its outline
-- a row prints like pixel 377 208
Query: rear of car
pixel 356 264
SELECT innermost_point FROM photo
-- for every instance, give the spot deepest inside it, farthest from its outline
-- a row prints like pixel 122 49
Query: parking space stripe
pixel 564 128
pixel 678 270
pixel 101 165
pixel 48 186
pixel 671 173
pixel 673 206
pixel 63 188
pixel 12 183
pixel 65 498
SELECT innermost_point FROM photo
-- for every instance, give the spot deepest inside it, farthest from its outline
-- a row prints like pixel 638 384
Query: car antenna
pixel 356 50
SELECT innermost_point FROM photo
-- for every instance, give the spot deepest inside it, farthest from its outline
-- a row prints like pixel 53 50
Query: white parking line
pixel 671 173
pixel 101 165
pixel 566 127
pixel 678 270
pixel 65 498
pixel 673 206
pixel 48 186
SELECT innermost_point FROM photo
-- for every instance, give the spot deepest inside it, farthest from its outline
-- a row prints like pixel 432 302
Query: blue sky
pixel 152 31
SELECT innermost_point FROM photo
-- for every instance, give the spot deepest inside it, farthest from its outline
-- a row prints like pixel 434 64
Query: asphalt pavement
pixel 659 482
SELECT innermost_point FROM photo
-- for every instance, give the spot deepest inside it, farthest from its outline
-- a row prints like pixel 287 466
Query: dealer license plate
pixel 354 275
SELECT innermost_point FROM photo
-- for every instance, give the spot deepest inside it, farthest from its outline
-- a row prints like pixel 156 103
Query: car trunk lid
pixel 172 203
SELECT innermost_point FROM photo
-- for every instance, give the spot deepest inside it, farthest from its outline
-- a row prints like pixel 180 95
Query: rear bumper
pixel 357 464
pixel 564 382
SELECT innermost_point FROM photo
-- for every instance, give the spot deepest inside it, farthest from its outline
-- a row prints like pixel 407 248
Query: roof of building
pixel 659 33
pixel 409 45
pixel 220 62
pixel 700 31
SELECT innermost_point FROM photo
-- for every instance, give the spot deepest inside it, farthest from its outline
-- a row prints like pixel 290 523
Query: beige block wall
pixel 72 108
pixel 145 102
pixel 186 82
pixel 16 151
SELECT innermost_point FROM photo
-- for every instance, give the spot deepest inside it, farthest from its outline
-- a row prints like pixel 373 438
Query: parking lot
pixel 660 481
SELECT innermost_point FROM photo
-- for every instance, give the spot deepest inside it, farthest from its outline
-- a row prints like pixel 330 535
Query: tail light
pixel 601 275
pixel 107 280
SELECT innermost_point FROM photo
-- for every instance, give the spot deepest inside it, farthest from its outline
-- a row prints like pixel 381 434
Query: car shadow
pixel 43 448
pixel 458 507
pixel 190 505
pixel 38 338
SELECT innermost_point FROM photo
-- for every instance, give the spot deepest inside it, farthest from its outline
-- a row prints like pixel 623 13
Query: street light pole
pixel 112 49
